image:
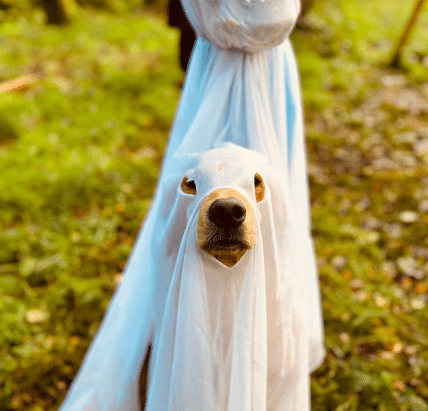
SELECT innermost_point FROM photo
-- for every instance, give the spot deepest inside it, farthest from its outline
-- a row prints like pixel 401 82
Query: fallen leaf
pixel 339 261
pixel 421 287
pixel 36 316
pixel 344 337
pixel 407 265
pixel 406 283
pixel 356 284
pixel 408 216
pixel 382 302
pixel 399 385
pixel 397 348
pixel 418 303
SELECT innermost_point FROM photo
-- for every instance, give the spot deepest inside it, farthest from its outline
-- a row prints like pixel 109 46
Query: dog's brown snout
pixel 227 213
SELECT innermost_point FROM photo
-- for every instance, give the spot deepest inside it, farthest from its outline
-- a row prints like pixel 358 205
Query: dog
pixel 226 230
pixel 226 221
pixel 211 313
pixel 237 209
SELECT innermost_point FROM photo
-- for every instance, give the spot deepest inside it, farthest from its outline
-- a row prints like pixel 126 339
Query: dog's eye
pixel 188 186
pixel 259 187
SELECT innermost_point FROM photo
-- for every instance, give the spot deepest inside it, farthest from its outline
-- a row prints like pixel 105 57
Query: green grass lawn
pixel 366 126
pixel 79 160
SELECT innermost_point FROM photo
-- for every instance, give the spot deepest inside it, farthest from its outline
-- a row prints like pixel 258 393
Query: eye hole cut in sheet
pixel 239 337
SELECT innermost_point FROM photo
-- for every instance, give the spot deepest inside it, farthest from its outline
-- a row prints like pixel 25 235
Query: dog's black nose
pixel 227 212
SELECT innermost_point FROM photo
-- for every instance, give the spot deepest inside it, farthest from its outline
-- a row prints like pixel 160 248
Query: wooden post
pixel 395 62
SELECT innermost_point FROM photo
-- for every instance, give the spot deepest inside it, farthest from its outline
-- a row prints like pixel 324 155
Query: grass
pixel 80 158
pixel 368 203
pixel 75 185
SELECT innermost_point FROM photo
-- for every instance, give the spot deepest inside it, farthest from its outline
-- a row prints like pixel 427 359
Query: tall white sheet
pixel 170 287
pixel 253 100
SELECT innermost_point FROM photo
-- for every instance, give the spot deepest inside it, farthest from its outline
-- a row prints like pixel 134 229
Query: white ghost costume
pixel 250 25
pixel 239 338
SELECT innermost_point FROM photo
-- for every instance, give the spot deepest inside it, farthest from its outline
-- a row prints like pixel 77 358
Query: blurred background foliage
pixel 82 134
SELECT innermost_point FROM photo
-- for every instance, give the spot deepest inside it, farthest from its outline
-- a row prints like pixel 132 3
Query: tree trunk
pixel 306 5
pixel 60 11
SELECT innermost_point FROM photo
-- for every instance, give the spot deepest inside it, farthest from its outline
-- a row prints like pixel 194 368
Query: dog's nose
pixel 227 212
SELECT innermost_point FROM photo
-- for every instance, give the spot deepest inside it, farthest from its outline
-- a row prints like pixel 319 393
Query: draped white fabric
pixel 246 25
pixel 230 338
pixel 239 338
